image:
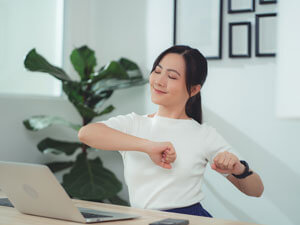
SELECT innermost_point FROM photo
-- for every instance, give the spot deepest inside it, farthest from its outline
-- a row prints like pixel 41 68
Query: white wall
pixel 27 24
pixel 288 91
pixel 239 99
pixel 110 28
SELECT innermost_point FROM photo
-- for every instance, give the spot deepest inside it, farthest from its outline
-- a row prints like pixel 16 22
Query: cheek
pixel 151 80
pixel 177 88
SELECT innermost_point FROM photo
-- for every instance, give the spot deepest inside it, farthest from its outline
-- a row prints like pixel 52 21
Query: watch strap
pixel 246 172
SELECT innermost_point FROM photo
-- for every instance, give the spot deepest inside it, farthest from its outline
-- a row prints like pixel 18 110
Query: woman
pixel 165 153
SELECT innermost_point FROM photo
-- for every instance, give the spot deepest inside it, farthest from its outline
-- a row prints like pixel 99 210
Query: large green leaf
pixel 108 109
pixel 84 61
pixel 59 166
pixel 126 69
pixel 114 84
pixel 40 122
pixel 96 101
pixel 73 90
pixel 111 70
pixel 89 180
pixel 128 64
pixel 88 114
pixel 49 145
pixel 76 96
pixel 131 68
pixel 85 104
pixel 37 63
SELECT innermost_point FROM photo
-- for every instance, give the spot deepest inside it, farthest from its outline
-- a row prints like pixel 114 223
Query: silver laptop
pixel 34 190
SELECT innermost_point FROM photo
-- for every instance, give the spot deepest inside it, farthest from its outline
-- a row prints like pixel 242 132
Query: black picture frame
pixel 241 10
pixel 216 47
pixel 247 54
pixel 258 46
pixel 263 2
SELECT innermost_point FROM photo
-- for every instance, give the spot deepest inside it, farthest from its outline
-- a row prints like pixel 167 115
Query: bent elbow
pixel 259 192
pixel 82 134
pixel 89 132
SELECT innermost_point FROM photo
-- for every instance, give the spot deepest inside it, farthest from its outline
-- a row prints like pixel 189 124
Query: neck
pixel 175 113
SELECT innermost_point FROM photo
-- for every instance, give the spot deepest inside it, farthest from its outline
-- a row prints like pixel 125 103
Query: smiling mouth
pixel 159 92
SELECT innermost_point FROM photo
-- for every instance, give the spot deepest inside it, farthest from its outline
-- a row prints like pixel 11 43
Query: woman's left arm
pixel 228 163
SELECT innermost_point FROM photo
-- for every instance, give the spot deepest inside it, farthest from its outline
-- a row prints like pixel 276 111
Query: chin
pixel 156 101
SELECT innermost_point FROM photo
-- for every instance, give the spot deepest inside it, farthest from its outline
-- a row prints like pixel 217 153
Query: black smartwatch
pixel 246 172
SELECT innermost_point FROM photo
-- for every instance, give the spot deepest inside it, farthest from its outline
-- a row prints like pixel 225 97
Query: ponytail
pixel 193 107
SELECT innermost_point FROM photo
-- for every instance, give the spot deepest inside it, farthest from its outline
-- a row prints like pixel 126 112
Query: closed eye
pixel 158 72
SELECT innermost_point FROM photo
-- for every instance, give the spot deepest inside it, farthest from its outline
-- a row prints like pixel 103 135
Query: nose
pixel 161 79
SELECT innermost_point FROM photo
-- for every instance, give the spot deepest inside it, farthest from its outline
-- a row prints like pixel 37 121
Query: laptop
pixel 34 190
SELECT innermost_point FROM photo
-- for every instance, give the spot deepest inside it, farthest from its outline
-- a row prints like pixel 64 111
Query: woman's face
pixel 167 81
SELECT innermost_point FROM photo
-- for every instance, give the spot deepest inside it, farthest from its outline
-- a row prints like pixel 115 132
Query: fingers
pixel 214 167
pixel 169 158
pixel 165 165
pixel 224 162
pixel 164 155
pixel 219 160
pixel 169 155
pixel 231 164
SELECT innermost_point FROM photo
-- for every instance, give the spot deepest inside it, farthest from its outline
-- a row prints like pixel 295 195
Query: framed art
pixel 241 6
pixel 265 35
pixel 198 23
pixel 267 2
pixel 240 40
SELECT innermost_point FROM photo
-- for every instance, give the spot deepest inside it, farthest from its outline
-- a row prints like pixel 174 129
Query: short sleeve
pixel 123 123
pixel 216 144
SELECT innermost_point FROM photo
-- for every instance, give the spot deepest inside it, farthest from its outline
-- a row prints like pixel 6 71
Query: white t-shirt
pixel 153 187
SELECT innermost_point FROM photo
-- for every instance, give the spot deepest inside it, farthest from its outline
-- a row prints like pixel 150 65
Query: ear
pixel 195 89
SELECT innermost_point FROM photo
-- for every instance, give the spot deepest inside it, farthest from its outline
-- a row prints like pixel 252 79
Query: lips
pixel 159 91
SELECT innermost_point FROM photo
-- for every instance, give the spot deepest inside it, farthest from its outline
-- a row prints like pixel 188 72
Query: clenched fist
pixel 228 163
pixel 162 153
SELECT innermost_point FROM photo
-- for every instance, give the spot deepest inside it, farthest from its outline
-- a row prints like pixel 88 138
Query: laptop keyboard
pixel 91 215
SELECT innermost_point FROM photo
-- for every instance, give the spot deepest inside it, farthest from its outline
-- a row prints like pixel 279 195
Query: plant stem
pixel 84 147
pixel 85 122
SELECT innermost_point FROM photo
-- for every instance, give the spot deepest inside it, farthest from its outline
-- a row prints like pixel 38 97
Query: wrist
pixel 145 146
pixel 241 170
pixel 246 171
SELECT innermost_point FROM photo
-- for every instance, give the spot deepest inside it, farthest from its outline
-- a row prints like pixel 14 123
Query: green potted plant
pixel 87 179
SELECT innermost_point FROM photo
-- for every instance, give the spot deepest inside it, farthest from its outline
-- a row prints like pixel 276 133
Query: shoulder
pixel 140 116
pixel 135 116
pixel 123 122
pixel 204 127
pixel 128 116
pixel 208 131
pixel 121 119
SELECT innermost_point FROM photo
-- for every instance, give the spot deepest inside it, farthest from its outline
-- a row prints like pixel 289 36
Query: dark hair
pixel 196 73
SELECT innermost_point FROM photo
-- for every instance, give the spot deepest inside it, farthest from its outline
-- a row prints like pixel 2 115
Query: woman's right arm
pixel 100 136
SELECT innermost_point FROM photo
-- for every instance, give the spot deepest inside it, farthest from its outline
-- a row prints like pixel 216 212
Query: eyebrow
pixel 169 69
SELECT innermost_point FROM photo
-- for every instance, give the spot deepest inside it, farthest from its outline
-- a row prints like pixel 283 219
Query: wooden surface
pixel 10 216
